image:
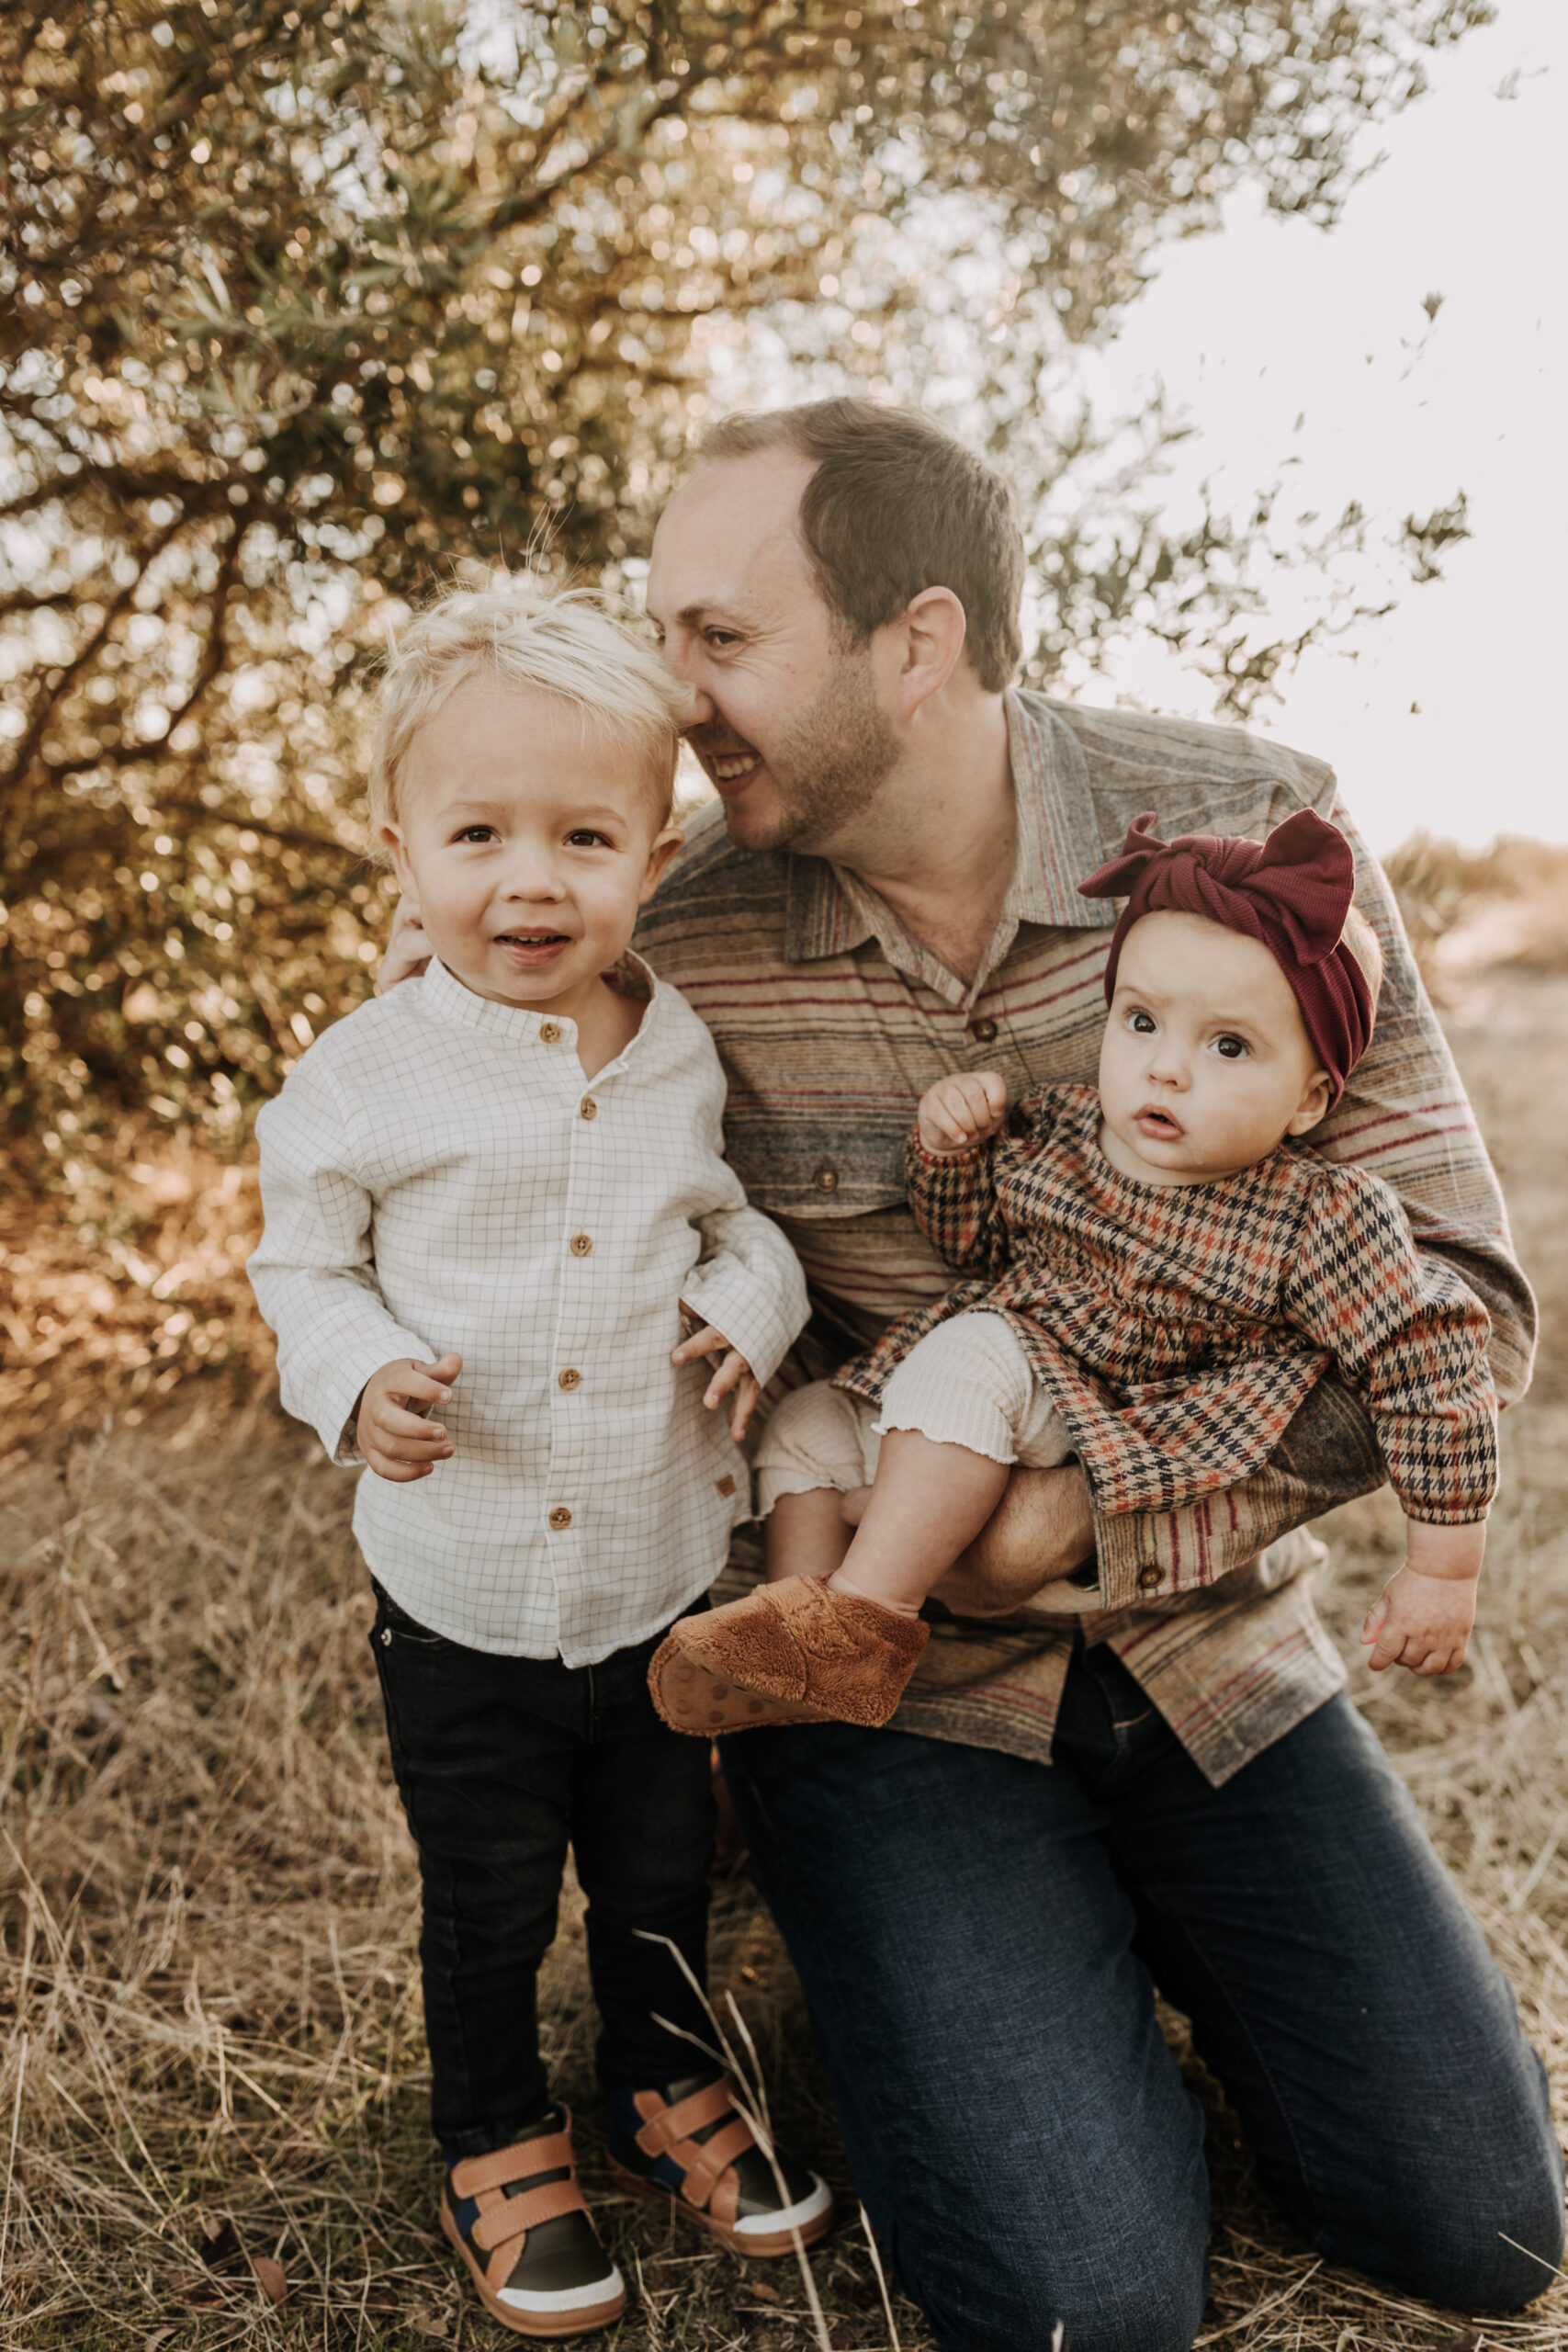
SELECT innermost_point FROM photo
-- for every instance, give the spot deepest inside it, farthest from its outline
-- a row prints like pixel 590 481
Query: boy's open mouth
pixel 532 946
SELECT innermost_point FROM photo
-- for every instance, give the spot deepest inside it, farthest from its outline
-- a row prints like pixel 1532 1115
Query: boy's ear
pixel 665 845
pixel 1313 1104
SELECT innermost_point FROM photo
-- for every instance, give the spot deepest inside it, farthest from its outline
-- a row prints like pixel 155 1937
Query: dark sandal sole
pixel 691 1698
pixel 752 2248
pixel 552 2325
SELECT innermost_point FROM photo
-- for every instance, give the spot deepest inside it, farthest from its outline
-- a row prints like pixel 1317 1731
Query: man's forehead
pixel 730 533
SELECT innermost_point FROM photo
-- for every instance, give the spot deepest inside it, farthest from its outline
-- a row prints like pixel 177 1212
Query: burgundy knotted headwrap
pixel 1291 891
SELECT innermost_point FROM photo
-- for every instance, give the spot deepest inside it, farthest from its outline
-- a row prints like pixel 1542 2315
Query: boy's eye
pixel 585 837
pixel 475 833
pixel 1230 1048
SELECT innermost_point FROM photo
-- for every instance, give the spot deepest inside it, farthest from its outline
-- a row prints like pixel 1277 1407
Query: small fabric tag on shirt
pixel 725 1486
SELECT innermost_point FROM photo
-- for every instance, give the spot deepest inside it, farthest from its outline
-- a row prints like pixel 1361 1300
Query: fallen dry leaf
pixel 271 2277
pixel 763 2294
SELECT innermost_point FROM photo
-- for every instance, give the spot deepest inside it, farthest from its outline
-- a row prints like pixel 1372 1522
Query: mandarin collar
pixel 443 997
pixel 1058 842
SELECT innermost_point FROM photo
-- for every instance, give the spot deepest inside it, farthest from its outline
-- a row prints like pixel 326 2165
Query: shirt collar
pixel 444 998
pixel 831 911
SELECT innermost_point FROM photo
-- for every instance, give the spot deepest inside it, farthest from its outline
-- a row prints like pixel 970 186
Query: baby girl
pixel 1160 1273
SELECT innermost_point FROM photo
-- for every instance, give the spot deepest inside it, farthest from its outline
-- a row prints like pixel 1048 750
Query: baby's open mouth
pixel 1156 1122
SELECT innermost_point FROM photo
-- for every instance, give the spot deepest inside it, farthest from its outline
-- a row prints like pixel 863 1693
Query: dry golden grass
pixel 213 2083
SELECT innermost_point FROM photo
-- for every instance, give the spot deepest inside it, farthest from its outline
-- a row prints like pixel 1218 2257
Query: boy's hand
pixel 408 950
pixel 1421 1618
pixel 734 1373
pixel 389 1428
pixel 963 1110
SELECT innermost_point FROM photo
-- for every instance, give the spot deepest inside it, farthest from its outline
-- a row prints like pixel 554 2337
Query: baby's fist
pixel 963 1110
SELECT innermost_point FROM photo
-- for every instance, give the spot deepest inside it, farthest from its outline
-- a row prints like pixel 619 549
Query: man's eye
pixel 722 637
pixel 1232 1049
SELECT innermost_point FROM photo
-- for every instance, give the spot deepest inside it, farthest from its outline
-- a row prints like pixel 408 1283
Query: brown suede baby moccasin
pixel 796 1652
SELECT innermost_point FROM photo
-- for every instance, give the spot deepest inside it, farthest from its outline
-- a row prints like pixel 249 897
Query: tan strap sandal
pixel 696 2152
pixel 497 2209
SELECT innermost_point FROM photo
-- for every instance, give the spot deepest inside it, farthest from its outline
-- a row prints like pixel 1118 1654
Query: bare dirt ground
pixel 212 2093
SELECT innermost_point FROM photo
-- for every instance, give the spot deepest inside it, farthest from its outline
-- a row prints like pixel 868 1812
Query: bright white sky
pixel 1267 319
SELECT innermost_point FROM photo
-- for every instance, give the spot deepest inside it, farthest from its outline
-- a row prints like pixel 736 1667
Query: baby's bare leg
pixel 806 1535
pixel 929 1501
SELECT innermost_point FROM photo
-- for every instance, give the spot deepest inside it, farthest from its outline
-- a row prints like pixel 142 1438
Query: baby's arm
pixel 1421 1618
pixel 950 1172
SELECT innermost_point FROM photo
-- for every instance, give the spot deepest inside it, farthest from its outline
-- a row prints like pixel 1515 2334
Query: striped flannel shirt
pixel 831 1022
pixel 1177 1329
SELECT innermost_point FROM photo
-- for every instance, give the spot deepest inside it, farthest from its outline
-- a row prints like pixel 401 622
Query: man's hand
pixel 1039 1532
pixel 390 1426
pixel 734 1374
pixel 961 1110
pixel 1423 1617
pixel 408 950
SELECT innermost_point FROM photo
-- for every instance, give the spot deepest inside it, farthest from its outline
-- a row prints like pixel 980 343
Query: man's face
pixel 789 726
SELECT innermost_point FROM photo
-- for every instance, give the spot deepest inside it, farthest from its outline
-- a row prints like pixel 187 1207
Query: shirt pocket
pixel 819 1162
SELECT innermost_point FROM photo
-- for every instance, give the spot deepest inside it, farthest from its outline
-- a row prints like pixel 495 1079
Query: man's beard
pixel 828 764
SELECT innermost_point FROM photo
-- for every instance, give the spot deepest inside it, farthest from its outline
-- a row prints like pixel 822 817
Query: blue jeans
pixel 980 1940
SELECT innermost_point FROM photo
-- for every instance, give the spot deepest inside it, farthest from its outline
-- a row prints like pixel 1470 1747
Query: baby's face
pixel 529 842
pixel 1206 1064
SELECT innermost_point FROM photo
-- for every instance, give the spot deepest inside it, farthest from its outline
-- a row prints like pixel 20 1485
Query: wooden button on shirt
pixel 430 1184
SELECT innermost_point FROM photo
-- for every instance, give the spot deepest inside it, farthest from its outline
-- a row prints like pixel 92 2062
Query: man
pixel 982 1900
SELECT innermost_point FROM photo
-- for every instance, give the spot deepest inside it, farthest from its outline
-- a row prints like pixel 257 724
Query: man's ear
pixel 932 627
pixel 665 845
pixel 1313 1104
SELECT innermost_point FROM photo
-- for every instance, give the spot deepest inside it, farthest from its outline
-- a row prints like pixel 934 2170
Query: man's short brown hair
pixel 895 505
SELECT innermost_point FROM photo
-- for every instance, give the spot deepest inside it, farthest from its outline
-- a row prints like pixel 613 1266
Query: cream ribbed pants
pixel 968 1383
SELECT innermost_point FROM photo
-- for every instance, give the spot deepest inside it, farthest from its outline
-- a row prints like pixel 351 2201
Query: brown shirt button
pixel 983 1032
pixel 1148 1577
pixel 580 1244
pixel 570 1378
pixel 825 1179
pixel 560 1516
pixel 588 1108
pixel 549 1033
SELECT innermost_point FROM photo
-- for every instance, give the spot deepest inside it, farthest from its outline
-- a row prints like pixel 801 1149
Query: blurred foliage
pixel 306 307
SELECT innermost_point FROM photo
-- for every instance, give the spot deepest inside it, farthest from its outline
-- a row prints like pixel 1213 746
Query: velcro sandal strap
pixel 713 2159
pixel 525 2160
pixel 514 2217
pixel 688 2115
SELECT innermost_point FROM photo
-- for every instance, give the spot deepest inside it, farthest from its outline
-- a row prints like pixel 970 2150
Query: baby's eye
pixel 1232 1049
pixel 1142 1025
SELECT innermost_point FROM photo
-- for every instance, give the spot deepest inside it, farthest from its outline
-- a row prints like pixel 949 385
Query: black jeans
pixel 502 1763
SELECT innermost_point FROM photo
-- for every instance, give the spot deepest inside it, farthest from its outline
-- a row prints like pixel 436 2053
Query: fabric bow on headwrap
pixel 1291 891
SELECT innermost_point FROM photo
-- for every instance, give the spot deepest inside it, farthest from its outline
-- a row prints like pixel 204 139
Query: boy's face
pixel 529 842
pixel 1206 1064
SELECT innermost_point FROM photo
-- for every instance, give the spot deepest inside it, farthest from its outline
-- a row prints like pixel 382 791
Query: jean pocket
pixel 393 1625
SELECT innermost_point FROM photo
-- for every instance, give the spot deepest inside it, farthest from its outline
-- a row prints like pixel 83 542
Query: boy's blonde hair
pixel 1366 948
pixel 521 633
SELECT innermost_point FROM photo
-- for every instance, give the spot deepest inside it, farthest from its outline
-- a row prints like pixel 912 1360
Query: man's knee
pixel 1034 2303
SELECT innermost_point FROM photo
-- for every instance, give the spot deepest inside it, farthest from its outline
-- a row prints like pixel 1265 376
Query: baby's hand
pixel 963 1110
pixel 734 1373
pixel 408 949
pixel 392 1434
pixel 1421 1618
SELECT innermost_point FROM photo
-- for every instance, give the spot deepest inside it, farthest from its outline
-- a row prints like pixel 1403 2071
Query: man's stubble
pixel 830 763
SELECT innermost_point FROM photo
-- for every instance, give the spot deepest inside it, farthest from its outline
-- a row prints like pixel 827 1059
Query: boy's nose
pixel 534 878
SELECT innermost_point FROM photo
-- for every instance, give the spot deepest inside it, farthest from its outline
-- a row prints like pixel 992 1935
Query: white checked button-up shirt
pixel 439 1177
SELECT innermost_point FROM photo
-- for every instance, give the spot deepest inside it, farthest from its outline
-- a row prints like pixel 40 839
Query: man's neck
pixel 941 847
